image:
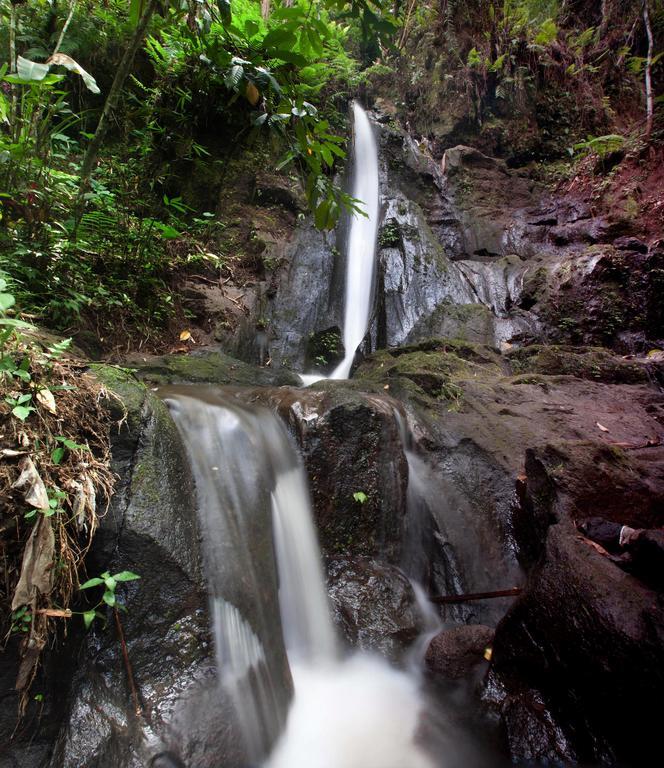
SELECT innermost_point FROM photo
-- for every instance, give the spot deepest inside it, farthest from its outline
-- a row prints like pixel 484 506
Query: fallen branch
pixel 451 599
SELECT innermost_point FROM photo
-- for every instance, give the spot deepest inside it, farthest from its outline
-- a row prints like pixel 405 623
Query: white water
pixel 357 713
pixel 361 255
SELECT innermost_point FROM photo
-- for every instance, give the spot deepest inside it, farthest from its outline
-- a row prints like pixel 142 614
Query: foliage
pixel 108 596
pixel 54 477
pixel 601 145
pixel 108 258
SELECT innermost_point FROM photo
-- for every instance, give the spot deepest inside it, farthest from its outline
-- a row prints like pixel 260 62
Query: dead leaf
pixel 601 426
pixel 387 386
pixel 253 94
pixel 185 335
pixel 488 653
pixel 29 481
pixel 9 453
pixel 45 397
pixel 37 566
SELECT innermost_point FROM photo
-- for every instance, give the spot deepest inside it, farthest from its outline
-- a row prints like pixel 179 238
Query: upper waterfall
pixel 361 252
pixel 361 242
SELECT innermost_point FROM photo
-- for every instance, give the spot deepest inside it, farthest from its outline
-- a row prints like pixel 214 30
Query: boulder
pixel 454 653
pixel 374 606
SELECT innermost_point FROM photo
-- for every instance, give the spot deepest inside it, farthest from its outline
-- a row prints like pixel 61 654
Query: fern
pixel 97 225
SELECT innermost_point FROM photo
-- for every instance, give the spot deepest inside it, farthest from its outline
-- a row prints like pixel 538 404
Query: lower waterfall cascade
pixel 348 710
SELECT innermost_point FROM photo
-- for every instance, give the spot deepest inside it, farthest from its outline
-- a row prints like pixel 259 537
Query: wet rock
pixel 450 255
pixel 454 653
pixel 373 605
pixel 351 444
pixel 532 734
pixel 308 295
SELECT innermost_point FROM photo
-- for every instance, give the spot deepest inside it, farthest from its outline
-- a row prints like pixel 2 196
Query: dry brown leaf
pixel 185 335
pixel 601 426
pixel 253 94
pixel 29 481
pixel 45 397
pixel 37 565
pixel 8 453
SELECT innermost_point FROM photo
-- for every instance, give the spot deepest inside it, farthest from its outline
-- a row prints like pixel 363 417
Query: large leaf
pixel 62 60
pixel 234 76
pixel 136 11
pixel 225 10
pixel 30 70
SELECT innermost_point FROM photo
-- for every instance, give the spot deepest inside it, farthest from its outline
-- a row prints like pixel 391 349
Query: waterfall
pixel 346 711
pixel 361 252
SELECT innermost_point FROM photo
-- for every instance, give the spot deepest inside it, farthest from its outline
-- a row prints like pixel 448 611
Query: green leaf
pixel 360 497
pixel 234 76
pixel 109 598
pixel 30 70
pixel 111 584
pixel 321 214
pixel 21 412
pixel 88 618
pixel 95 582
pixel 126 576
pixel 6 301
pixel 327 156
pixel 57 455
pixel 224 10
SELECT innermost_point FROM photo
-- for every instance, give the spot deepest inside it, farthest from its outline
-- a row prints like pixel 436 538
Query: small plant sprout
pixel 360 497
pixel 109 598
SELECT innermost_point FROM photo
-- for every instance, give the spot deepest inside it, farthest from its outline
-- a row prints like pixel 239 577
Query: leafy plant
pixel 108 597
pixel 601 145
pixel 21 619
pixel 20 405
pixel 360 497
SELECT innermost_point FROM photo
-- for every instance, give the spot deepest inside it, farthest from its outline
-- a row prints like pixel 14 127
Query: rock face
pixel 597 661
pixel 308 296
pixel 586 636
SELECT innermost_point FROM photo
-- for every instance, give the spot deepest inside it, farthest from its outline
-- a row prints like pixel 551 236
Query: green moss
pixel 592 363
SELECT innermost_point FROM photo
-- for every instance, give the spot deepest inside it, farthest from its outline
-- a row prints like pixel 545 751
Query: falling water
pixel 361 252
pixel 347 712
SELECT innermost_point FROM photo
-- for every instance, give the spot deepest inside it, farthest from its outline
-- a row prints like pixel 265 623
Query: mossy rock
pixel 211 368
pixel 592 363
pixel 434 368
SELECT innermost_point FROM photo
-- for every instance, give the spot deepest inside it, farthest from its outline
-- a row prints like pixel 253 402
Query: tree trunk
pixel 265 9
pixel 649 97
pixel 112 99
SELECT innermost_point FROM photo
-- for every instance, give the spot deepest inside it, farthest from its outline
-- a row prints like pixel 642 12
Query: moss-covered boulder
pixel 593 363
pixel 209 367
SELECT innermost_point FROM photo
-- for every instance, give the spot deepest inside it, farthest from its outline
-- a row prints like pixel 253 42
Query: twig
pixel 130 674
pixel 450 599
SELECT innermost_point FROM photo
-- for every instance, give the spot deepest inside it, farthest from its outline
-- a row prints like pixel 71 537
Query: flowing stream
pixel 361 252
pixel 347 711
